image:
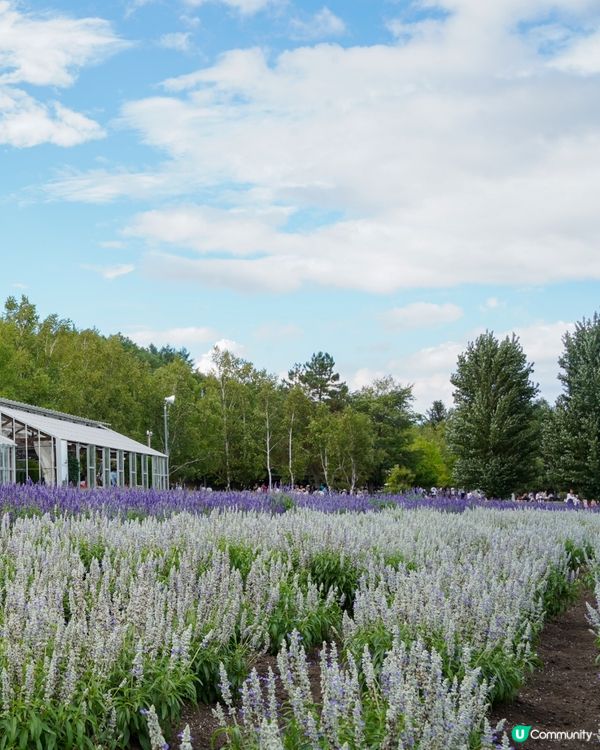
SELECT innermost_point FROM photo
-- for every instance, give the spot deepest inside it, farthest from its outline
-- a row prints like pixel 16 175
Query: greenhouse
pixel 7 459
pixel 56 449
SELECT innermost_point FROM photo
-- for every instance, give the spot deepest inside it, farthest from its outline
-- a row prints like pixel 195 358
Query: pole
pixel 166 417
pixel 168 400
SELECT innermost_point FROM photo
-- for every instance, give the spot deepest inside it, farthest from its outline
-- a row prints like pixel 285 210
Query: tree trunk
pixel 225 434
pixel 325 466
pixel 290 448
pixel 268 446
pixel 353 477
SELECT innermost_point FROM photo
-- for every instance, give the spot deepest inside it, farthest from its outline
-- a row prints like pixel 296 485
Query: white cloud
pixel 111 272
pixel 321 25
pixel 460 156
pixel 422 315
pixel 491 303
pixel 46 51
pixel 583 56
pixel 25 122
pixel 277 332
pixel 542 343
pixel 180 41
pixel 238 231
pixel 429 369
pixel 205 363
pixel 245 7
pixel 421 30
pixel 177 337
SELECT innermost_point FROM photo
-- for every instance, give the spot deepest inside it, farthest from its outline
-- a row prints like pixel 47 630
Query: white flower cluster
pixel 593 615
pixel 95 611
pixel 418 707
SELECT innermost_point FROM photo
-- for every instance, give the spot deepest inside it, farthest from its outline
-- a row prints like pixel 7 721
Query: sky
pixel 379 179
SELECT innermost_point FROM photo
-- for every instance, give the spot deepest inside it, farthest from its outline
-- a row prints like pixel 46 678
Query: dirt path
pixel 564 694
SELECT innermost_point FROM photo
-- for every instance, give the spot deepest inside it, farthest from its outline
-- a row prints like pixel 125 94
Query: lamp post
pixel 149 434
pixel 169 401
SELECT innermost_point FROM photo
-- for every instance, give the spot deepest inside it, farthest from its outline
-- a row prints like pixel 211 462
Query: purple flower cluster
pixel 29 498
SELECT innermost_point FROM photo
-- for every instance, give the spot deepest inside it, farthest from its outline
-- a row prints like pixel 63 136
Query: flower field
pixel 113 621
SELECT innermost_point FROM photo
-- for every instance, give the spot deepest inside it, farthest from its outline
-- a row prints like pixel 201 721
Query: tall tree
pixel 388 404
pixel 578 408
pixel 492 430
pixel 355 440
pixel 269 406
pixel 320 380
pixel 296 415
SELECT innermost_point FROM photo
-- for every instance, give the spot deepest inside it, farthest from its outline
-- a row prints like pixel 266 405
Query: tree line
pixel 240 426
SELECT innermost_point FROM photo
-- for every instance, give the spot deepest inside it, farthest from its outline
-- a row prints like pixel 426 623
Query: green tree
pixel 237 411
pixel 578 409
pixel 354 439
pixel 323 441
pixel 296 416
pixel 436 414
pixel 320 380
pixel 270 407
pixel 431 465
pixel 388 404
pixel 492 430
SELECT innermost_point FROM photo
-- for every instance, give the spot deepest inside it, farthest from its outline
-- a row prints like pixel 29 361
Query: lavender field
pixel 119 609
pixel 133 503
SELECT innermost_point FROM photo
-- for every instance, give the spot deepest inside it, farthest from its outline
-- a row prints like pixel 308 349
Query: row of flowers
pixel 435 615
pixel 135 503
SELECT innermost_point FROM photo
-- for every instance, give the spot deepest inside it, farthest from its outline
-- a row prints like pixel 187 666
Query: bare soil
pixel 564 694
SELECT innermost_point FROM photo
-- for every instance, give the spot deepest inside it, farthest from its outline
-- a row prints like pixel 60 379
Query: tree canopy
pixel 492 430
pixel 239 425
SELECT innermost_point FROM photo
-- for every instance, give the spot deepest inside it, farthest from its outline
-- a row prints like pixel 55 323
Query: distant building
pixel 49 447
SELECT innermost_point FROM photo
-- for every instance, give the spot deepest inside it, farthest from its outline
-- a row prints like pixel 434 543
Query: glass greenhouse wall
pixel 60 449
pixel 7 460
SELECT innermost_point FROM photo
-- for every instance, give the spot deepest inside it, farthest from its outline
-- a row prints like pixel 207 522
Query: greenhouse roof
pixel 5 440
pixel 74 430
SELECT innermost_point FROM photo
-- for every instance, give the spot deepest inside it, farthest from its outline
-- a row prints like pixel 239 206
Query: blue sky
pixel 379 179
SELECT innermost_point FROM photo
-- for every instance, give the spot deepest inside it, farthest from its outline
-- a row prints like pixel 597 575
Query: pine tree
pixel 436 414
pixel 320 380
pixel 492 430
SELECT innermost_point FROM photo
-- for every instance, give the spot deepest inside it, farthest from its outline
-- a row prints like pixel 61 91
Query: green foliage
pixel 577 418
pixel 319 380
pixel 388 404
pixel 399 479
pixel 492 430
pixel 235 427
pixel 431 467
pixel 89 552
pixel 314 627
pixel 437 414
pixel 558 594
pixel 241 556
pixel 504 672
pixel 332 570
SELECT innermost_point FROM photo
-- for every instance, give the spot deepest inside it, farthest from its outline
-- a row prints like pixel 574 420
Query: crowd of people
pixel 540 496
